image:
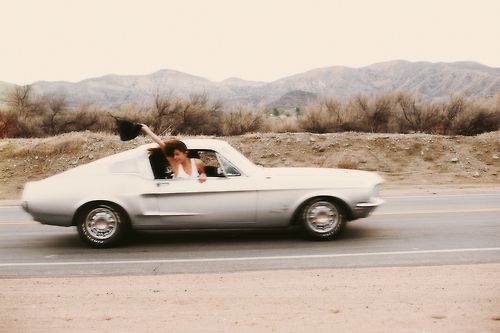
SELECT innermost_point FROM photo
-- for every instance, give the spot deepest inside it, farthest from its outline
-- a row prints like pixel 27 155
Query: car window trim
pixel 217 154
pixel 222 166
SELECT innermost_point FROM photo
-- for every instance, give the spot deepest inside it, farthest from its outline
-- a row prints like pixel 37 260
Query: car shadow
pixel 227 237
pixel 212 236
pixel 214 239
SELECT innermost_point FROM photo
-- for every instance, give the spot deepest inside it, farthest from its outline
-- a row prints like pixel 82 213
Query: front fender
pixel 348 199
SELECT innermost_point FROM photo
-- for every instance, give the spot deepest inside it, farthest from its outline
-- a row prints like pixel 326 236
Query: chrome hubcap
pixel 101 223
pixel 322 216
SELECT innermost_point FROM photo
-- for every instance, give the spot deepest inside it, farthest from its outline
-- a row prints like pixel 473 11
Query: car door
pixel 226 201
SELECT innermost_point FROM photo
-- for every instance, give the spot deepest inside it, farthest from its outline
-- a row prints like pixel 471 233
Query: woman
pixel 176 153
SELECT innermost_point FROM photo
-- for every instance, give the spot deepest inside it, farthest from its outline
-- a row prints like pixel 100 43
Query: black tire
pixel 102 225
pixel 322 219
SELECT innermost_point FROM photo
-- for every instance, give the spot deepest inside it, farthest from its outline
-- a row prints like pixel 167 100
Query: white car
pixel 134 190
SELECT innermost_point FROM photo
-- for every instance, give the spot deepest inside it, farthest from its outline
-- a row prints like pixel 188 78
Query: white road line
pixel 263 258
pixel 439 195
pixel 437 211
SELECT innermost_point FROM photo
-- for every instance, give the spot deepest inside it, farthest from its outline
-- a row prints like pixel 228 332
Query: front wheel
pixel 101 225
pixel 323 219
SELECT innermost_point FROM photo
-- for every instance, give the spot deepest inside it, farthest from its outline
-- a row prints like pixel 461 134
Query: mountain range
pixel 430 80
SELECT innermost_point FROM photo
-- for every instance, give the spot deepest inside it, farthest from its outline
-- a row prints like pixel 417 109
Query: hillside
pixel 431 80
pixel 425 78
pixel 293 99
pixel 414 160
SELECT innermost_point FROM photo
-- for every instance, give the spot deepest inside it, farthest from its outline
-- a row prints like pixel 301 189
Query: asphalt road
pixel 406 231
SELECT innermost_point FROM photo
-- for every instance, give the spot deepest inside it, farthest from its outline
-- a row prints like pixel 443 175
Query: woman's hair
pixel 174 144
pixel 158 162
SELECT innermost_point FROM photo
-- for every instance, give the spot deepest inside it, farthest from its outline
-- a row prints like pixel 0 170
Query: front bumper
pixel 363 209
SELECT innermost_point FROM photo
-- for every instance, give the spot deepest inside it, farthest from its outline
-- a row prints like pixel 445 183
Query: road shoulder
pixel 459 298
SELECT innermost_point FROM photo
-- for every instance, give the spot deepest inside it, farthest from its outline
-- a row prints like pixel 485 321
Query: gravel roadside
pixel 461 298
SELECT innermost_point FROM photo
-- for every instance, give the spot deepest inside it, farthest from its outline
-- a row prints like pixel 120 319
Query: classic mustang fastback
pixel 135 190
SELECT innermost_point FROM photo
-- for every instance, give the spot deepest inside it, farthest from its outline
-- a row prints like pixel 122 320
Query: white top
pixel 182 174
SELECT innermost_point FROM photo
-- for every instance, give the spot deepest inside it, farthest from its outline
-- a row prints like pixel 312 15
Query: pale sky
pixel 256 39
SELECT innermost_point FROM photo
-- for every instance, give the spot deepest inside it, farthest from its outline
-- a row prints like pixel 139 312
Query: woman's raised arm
pixel 153 136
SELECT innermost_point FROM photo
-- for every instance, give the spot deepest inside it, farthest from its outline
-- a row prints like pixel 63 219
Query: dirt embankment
pixel 402 159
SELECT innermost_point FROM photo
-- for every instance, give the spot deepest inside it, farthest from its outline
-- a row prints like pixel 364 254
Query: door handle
pixel 158 184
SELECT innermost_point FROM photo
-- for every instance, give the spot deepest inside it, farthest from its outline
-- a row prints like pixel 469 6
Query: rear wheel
pixel 101 225
pixel 322 219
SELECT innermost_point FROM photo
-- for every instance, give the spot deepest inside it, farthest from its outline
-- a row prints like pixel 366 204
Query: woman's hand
pixel 153 136
pixel 202 178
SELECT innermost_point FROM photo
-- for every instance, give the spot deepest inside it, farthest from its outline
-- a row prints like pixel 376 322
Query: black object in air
pixel 127 129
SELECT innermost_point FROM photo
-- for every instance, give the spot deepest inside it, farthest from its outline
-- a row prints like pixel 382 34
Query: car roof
pixel 103 163
pixel 193 144
pixel 212 144
pixel 204 143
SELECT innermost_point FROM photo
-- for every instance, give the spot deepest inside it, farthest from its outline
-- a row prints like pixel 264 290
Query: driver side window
pixel 216 166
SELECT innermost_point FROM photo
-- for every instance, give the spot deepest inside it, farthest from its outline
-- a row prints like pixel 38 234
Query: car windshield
pixel 238 158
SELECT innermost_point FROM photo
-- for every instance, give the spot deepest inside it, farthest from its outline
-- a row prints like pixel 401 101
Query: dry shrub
pixel 355 115
pixel 20 99
pixel 30 116
pixel 281 125
pixel 198 116
pixel 476 116
pixel 473 123
pixel 326 116
pixel 241 120
pixel 406 113
pixel 192 116
pixel 418 116
pixel 29 126
pixel 449 113
pixel 27 111
pixel 8 121
pixel 370 114
pixel 381 113
pixel 50 116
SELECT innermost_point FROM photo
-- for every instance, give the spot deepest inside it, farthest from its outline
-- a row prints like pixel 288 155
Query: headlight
pixel 24 204
pixel 376 190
